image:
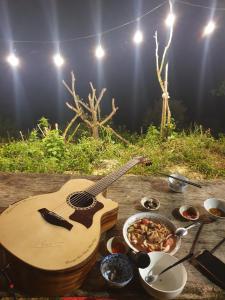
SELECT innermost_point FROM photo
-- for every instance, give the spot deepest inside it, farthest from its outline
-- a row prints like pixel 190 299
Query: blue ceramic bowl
pixel 116 270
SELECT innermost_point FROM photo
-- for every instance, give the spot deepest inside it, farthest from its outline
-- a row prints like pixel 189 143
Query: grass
pixel 197 154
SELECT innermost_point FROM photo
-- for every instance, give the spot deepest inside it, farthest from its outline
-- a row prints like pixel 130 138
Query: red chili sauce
pixel 118 247
pixel 190 213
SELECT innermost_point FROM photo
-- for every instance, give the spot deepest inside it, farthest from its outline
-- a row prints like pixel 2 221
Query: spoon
pixel 150 278
pixel 182 231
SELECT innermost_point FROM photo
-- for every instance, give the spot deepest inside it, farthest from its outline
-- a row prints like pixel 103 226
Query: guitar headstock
pixel 143 160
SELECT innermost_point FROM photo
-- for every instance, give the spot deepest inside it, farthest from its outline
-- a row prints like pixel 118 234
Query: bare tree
pixel 89 112
pixel 162 75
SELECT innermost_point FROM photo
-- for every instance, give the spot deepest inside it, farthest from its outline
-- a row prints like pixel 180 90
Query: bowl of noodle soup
pixel 149 232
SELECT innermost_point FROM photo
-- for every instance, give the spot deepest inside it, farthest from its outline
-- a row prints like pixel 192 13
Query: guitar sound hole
pixel 80 200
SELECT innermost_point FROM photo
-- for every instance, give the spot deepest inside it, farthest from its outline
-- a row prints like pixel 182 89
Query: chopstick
pixel 183 180
pixel 217 246
pixel 191 252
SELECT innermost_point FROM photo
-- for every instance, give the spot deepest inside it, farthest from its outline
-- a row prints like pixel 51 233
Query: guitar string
pixel 100 186
pixel 97 187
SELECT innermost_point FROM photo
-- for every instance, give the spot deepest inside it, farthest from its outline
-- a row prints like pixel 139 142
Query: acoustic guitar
pixel 51 240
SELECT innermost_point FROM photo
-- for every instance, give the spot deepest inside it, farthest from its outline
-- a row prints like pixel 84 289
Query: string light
pixel 138 37
pixel 13 60
pixel 58 60
pixel 89 36
pixel 170 20
pixel 209 28
pixel 99 52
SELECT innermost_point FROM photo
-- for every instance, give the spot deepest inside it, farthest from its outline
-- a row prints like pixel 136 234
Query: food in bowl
pixel 189 212
pixel 116 244
pixel 148 235
pixel 150 203
pixel 215 207
pixel 171 283
pixel 156 218
pixel 217 212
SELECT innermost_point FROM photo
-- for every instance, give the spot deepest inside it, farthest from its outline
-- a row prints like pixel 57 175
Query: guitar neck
pixel 102 184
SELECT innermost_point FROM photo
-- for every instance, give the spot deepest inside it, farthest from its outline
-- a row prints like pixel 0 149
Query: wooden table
pixel 128 191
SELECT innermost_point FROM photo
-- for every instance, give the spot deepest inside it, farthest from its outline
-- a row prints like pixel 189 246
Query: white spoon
pixel 182 231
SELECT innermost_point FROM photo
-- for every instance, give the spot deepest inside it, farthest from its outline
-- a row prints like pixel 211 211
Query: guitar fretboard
pixel 103 183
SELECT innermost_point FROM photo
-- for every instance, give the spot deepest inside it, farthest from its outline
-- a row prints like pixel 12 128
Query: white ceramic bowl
pixel 184 208
pixel 214 203
pixel 153 217
pixel 116 244
pixel 177 185
pixel 154 201
pixel 170 284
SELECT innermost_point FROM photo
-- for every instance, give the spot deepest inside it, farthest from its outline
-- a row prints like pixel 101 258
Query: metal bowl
pixel 177 185
pixel 154 217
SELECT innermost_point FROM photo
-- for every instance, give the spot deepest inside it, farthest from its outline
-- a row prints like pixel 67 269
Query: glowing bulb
pixel 99 52
pixel 138 37
pixel 209 28
pixel 58 60
pixel 170 20
pixel 13 60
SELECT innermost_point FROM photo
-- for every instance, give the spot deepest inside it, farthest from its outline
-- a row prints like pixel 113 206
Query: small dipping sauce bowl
pixel 177 185
pixel 215 207
pixel 117 270
pixel 150 203
pixel 189 212
pixel 116 244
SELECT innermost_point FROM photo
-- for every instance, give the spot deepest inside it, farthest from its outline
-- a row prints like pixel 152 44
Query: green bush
pixel 196 150
pixel 54 145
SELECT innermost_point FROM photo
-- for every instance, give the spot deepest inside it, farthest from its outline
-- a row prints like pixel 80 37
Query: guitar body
pixel 52 260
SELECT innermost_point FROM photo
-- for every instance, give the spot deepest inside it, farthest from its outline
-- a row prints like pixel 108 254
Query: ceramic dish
pixel 116 244
pixel 170 284
pixel 155 218
pixel 189 212
pixel 116 270
pixel 150 203
pixel 215 207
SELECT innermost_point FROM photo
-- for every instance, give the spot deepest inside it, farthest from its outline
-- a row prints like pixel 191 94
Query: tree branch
pixel 114 110
pixel 169 41
pixel 116 134
pixel 157 61
pixel 100 98
pixel 69 126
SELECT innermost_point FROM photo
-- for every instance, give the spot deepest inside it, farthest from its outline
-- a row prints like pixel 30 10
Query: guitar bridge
pixel 54 219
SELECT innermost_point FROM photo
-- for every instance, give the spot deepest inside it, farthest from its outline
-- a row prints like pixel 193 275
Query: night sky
pixel 196 64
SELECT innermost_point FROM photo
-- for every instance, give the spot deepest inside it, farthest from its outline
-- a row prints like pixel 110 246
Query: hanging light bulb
pixel 13 60
pixel 58 60
pixel 99 52
pixel 209 28
pixel 138 37
pixel 170 20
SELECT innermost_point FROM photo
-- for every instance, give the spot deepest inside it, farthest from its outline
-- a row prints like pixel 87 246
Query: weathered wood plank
pixel 128 191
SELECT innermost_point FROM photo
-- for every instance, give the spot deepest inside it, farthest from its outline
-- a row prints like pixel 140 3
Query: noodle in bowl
pixel 148 232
